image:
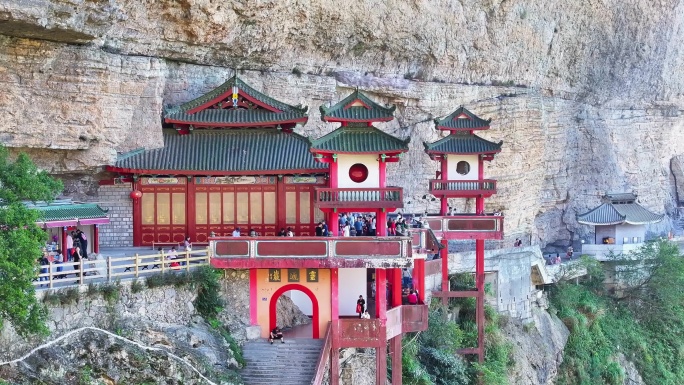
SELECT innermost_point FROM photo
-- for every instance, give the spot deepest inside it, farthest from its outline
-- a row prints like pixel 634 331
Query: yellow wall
pixel 321 290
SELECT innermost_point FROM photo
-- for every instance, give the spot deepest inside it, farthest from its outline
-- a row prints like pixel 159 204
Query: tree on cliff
pixel 21 240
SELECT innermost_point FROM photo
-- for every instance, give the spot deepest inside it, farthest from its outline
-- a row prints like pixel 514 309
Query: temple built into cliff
pixel 234 174
pixel 620 225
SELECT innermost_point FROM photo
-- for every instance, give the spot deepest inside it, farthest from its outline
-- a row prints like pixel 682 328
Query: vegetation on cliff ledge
pixel 429 357
pixel 21 240
pixel 645 322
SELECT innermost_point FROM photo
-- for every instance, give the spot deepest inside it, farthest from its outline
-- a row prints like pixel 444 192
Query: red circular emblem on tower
pixel 358 172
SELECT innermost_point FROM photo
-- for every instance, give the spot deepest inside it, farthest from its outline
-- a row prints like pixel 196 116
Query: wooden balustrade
pixel 467 226
pixel 463 188
pixel 324 358
pixel 106 270
pixel 310 252
pixel 389 197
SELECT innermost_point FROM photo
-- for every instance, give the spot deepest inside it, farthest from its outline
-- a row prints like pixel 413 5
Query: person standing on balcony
pixel 289 233
pixel 84 243
pixel 412 298
pixel 69 246
pixel 345 229
pixel 373 228
pixel 326 230
pixel 360 306
pixel 319 229
pixel 358 226
pixel 236 232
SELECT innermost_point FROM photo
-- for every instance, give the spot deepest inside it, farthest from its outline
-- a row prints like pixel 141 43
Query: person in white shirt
pixel 236 232
pixel 345 230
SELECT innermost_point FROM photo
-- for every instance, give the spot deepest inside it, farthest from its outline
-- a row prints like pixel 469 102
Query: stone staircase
pixel 291 363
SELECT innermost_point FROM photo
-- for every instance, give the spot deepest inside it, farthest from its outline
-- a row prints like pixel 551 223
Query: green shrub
pixel 208 302
pixel 70 295
pixel 92 290
pixel 155 280
pixel 136 286
pixel 110 292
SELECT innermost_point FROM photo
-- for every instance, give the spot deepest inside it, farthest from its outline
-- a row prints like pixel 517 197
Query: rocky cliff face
pixel 586 96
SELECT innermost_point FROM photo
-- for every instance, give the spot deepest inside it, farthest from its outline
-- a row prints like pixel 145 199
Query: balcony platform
pixel 368 333
pixel 465 226
pixel 463 188
pixel 310 252
pixel 360 198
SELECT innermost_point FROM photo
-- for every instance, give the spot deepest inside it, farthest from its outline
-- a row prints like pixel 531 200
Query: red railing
pixel 467 226
pixel 485 187
pixel 310 252
pixel 390 197
pixel 323 358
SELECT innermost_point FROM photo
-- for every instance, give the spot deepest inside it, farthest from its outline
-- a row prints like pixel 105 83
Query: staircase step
pixel 291 363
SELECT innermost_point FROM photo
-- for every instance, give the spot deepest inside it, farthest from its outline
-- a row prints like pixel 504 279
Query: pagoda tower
pixel 358 153
pixel 462 155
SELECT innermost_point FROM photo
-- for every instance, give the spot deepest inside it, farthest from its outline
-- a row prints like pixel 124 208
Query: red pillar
pixel 137 215
pixel 381 223
pixel 190 210
pixel 419 275
pixel 380 294
pixel 444 254
pixel 383 172
pixel 333 223
pixel 335 354
pixel 381 363
pixel 96 239
pixel 63 245
pixel 479 282
pixel 444 176
pixel 396 288
pixel 395 352
pixel 334 293
pixel 253 297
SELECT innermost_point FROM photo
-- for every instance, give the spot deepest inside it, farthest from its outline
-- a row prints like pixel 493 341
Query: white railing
pixel 605 252
pixel 109 269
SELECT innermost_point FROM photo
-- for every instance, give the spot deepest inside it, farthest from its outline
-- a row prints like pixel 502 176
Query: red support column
pixel 479 282
pixel 445 176
pixel 381 223
pixel 381 363
pixel 396 351
pixel 96 239
pixel 396 288
pixel 333 223
pixel 334 294
pixel 190 210
pixel 444 254
pixel 335 354
pixel 63 246
pixel 137 216
pixel 419 276
pixel 253 297
pixel 380 294
pixel 383 172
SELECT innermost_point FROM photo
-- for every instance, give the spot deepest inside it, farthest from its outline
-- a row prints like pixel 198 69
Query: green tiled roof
pixel 371 112
pixel 470 122
pixel 65 212
pixel 618 213
pixel 230 115
pixel 226 150
pixel 462 143
pixel 359 140
pixel 233 117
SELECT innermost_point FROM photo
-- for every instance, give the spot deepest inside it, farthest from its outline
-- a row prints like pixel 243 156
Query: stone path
pixel 291 363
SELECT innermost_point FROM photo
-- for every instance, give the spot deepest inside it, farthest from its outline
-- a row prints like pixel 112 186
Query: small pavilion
pixel 620 224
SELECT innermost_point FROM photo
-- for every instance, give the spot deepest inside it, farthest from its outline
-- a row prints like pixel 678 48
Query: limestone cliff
pixel 586 95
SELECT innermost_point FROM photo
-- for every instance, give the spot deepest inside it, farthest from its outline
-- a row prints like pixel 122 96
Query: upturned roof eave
pixel 303 119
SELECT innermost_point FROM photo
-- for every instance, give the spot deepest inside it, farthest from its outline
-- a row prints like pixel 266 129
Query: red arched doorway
pixel 303 289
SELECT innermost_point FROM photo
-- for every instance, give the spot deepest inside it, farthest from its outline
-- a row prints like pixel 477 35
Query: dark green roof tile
pixel 359 140
pixel 226 150
pixel 618 213
pixel 65 212
pixel 179 114
pixel 371 112
pixel 470 121
pixel 462 143
pixel 229 117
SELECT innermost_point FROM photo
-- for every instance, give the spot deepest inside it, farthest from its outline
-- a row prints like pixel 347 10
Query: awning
pixel 67 213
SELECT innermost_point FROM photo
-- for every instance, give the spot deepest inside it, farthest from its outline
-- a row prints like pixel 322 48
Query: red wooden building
pixel 231 159
pixel 462 155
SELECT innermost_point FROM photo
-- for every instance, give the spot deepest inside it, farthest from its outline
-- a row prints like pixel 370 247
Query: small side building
pixel 620 225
